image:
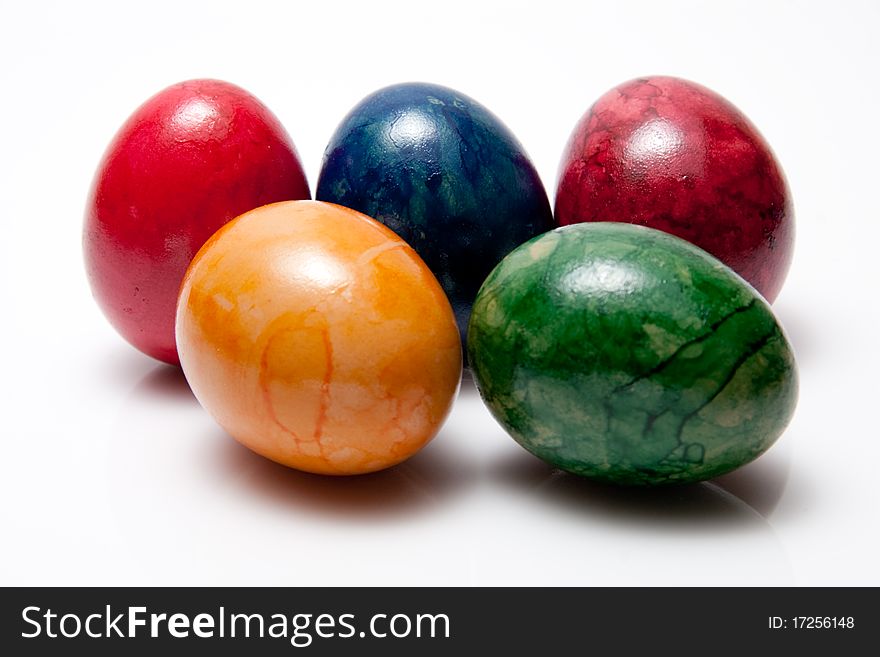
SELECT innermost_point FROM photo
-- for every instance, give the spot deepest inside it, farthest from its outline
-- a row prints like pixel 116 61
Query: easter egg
pixel 627 355
pixel 318 338
pixel 442 172
pixel 672 155
pixel 187 161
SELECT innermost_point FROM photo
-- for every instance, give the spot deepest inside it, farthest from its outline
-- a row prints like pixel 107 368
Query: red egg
pixel 187 161
pixel 675 156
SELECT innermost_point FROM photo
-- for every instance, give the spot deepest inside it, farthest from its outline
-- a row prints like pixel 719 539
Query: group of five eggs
pixel 625 336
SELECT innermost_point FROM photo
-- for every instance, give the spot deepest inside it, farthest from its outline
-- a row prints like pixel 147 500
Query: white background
pixel 113 474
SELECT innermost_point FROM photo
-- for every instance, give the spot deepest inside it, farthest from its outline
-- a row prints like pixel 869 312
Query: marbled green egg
pixel 627 355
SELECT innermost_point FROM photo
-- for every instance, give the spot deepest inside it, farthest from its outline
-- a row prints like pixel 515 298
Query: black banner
pixel 334 621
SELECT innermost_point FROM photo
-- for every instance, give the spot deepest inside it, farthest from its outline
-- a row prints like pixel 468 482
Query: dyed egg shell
pixel 318 338
pixel 442 172
pixel 625 354
pixel 672 155
pixel 187 161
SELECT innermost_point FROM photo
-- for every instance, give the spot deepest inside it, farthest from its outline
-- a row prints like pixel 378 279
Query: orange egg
pixel 318 338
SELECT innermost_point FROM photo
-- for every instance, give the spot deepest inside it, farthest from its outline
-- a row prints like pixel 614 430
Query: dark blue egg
pixel 445 174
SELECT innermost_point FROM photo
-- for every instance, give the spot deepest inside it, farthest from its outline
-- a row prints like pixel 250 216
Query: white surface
pixel 112 473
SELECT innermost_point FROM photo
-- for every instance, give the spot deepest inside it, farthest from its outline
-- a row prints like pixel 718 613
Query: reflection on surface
pixel 723 503
pixel 761 483
pixel 428 478
pixel 193 506
pixel 221 464
pixel 443 469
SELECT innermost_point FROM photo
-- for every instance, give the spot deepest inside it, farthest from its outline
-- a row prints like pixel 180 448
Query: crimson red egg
pixel 672 155
pixel 187 161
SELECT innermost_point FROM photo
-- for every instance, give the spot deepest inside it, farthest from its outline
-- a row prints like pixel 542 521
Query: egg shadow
pixel 427 480
pixel 468 387
pixel 165 383
pixel 761 483
pixel 148 378
pixel 124 366
pixel 711 505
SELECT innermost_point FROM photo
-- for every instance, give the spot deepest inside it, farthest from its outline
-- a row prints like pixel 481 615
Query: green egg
pixel 627 355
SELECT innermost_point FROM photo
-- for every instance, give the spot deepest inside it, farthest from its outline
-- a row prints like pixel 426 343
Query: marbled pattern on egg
pixel 625 354
pixel 445 174
pixel 318 338
pixel 672 155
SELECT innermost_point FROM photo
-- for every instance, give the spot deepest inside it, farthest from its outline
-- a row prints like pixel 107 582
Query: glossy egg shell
pixel 318 338
pixel 187 161
pixel 445 174
pixel 672 155
pixel 627 355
